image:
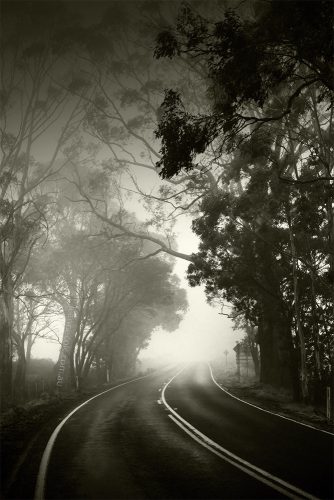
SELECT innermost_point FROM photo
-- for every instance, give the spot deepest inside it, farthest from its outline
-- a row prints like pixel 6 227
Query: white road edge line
pixel 232 462
pixel 262 409
pixel 41 476
pixel 261 475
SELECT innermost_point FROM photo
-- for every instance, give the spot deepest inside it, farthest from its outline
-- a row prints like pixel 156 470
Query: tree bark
pixel 297 309
pixel 65 371
pixel 20 376
pixel 252 342
pixel 29 347
pixel 276 348
pixel 6 354
pixel 315 329
pixel 330 218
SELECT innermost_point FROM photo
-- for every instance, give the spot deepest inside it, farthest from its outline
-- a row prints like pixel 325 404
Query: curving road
pixel 186 439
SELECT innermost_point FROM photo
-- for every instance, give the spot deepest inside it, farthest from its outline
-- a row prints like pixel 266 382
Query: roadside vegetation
pixel 267 230
pixel 113 128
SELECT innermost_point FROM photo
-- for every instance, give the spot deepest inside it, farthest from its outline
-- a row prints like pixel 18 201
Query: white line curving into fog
pixel 263 409
pixel 259 474
pixel 41 476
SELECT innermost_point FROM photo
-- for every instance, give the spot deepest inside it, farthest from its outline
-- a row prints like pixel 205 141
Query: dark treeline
pixel 267 232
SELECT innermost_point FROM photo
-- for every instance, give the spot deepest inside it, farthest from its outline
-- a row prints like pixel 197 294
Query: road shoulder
pixel 274 401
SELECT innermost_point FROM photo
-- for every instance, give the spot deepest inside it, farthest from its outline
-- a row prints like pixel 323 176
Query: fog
pixel 166 249
pixel 203 334
pixel 104 81
pixel 135 229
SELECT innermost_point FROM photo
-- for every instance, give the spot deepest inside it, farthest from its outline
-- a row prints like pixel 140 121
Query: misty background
pixel 80 101
pixel 155 156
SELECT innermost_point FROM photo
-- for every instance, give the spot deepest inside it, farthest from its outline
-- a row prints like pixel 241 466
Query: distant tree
pixel 40 377
pixel 33 320
pixel 99 281
pixel 250 339
pixel 162 305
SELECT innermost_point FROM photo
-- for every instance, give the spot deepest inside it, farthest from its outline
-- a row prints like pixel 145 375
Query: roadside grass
pixel 24 432
pixel 269 398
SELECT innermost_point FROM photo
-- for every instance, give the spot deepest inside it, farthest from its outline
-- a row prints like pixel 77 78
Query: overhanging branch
pixel 130 233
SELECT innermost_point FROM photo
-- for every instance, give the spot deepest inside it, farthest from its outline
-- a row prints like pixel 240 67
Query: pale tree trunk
pixel 325 148
pixel 330 217
pixel 65 375
pixel 251 334
pixel 300 330
pixel 29 347
pixel 315 329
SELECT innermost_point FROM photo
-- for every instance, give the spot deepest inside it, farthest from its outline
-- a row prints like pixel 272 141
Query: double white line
pixel 261 475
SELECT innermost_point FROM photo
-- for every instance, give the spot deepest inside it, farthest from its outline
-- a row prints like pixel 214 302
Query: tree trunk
pixel 315 329
pixel 252 342
pixel 330 218
pixel 297 307
pixel 6 355
pixel 29 347
pixel 65 371
pixel 82 376
pixel 256 360
pixel 20 376
pixel 275 339
pixel 276 348
pixel 101 375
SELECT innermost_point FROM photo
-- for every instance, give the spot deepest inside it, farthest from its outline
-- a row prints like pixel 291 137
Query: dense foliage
pixel 267 232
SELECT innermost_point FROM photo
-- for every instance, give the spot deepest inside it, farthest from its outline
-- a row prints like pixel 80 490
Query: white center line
pixel 261 475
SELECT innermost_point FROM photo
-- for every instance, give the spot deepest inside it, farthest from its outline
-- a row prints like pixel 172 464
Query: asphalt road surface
pixel 128 444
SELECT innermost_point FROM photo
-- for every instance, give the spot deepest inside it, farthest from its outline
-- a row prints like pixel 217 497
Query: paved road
pixel 123 444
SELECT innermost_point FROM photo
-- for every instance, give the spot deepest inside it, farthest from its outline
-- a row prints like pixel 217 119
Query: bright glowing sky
pixel 203 333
